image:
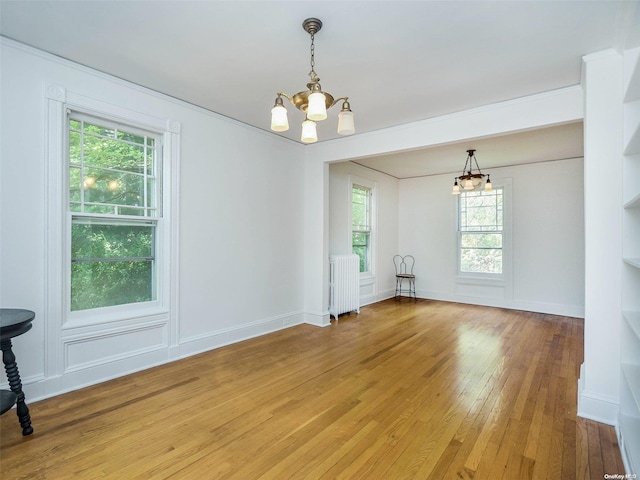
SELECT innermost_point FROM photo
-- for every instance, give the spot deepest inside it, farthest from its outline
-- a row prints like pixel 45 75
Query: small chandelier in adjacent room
pixel 469 180
pixel 313 102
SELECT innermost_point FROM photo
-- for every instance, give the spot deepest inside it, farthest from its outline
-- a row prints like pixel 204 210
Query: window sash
pixel 99 188
pixel 481 211
pixel 112 263
pixel 361 208
pixel 361 246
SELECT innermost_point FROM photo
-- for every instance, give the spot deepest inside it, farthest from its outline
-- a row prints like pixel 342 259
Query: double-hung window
pixel 114 205
pixel 361 225
pixel 480 232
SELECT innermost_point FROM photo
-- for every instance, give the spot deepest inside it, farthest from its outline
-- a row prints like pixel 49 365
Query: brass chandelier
pixel 471 181
pixel 313 102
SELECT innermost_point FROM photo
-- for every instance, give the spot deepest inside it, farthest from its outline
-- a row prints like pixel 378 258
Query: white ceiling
pixel 398 61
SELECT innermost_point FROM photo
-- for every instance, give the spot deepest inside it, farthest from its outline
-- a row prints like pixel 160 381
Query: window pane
pixel 114 188
pixel 105 284
pixel 359 216
pixel 481 211
pixel 75 153
pixel 117 168
pixel 111 241
pixel 481 260
pixel 74 184
pixel 135 211
pixel 360 246
pixel 104 131
pixel 130 137
pixel 481 240
pixel 111 265
pixel 360 208
pixel 151 196
pixel 112 154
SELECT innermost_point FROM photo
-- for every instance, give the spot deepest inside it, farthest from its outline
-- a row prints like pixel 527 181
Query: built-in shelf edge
pixel 632 317
pixel 631 374
pixel 634 262
pixel 632 80
pixel 632 128
pixel 633 203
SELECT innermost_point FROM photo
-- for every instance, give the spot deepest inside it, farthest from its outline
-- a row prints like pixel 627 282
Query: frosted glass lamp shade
pixel 345 123
pixel 309 134
pixel 279 120
pixel 456 189
pixel 317 108
pixel 487 186
pixel 468 184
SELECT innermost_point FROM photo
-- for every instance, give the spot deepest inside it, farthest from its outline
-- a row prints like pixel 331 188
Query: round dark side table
pixel 14 322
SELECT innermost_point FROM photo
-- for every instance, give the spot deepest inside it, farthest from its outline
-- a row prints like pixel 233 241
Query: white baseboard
pixel 549 308
pixel 538 307
pixel 41 387
pixel 318 319
pixel 235 334
pixel 375 298
pixel 595 406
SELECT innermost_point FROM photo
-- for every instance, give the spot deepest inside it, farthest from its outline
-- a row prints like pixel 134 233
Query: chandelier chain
pixel 312 73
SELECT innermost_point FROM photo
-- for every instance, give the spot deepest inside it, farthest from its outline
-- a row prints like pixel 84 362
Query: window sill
pixel 101 317
pixel 471 279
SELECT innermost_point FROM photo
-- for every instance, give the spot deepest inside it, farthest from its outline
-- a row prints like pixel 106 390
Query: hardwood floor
pixel 425 390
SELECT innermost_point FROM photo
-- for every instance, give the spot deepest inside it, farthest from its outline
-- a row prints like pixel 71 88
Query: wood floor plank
pixel 405 390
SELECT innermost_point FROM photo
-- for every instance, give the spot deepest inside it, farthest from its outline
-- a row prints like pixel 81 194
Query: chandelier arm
pixel 477 166
pixel 281 94
pixel 464 170
pixel 338 99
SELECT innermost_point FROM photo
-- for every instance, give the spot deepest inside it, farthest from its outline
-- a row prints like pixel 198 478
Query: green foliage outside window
pixel 360 244
pixel 111 265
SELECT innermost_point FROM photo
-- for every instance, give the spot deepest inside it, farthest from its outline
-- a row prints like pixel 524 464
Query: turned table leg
pixel 10 366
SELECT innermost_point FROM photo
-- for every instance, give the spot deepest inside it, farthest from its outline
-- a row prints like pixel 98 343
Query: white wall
pixel 546 271
pixel 238 243
pixel 385 225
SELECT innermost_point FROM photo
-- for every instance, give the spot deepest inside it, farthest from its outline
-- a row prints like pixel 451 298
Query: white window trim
pixel 366 278
pixel 490 279
pixel 59 100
